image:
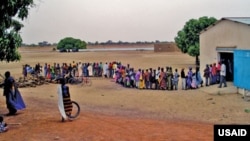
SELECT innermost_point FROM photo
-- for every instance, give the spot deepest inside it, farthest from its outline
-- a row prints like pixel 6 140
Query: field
pixel 110 112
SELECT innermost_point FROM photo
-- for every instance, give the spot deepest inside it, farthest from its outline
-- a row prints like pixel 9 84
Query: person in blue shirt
pixel 14 100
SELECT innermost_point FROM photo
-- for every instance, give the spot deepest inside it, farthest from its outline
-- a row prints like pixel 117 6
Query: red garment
pixel 214 70
pixel 146 76
pixel 162 80
pixel 218 66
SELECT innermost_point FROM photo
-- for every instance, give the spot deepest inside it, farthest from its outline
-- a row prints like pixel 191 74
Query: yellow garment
pixel 141 82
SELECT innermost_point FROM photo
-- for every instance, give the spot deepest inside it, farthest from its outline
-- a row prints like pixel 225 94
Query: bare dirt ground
pixel 110 112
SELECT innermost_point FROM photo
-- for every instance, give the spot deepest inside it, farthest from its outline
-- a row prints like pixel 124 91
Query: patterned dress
pixel 162 81
pixel 66 100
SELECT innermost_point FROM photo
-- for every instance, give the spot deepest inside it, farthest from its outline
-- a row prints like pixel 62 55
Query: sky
pixel 121 20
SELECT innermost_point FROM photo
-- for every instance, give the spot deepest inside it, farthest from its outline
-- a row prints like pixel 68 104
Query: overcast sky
pixel 121 20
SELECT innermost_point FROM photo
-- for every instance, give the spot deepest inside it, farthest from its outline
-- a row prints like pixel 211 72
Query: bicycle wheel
pixel 75 110
pixel 70 80
pixel 88 82
pixel 80 81
pixel 73 81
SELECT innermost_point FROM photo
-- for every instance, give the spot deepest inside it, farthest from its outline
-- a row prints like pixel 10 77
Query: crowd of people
pixel 69 70
pixel 215 74
pixel 168 79
pixel 161 78
pixel 158 79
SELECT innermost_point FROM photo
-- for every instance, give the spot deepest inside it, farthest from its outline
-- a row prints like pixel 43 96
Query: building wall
pixel 165 47
pixel 224 34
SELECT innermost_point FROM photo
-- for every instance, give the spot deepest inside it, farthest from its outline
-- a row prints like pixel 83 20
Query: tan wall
pixel 165 47
pixel 223 34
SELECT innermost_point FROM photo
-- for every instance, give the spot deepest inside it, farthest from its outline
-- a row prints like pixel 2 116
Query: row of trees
pixel 72 43
pixel 109 42
pixel 12 12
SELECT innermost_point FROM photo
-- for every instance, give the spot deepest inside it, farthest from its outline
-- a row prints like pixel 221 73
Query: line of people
pixel 167 79
pixel 216 74
pixel 74 69
pixel 159 78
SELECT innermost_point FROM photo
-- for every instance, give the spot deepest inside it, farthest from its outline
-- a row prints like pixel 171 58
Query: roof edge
pixel 226 18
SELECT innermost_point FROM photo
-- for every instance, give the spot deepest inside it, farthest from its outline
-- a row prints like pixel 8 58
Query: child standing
pixel 3 125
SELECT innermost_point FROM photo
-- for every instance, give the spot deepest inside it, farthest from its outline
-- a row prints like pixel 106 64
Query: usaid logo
pixel 232 132
pixel 237 132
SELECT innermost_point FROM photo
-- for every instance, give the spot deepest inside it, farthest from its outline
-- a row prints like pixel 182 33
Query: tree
pixel 12 12
pixel 188 38
pixel 71 43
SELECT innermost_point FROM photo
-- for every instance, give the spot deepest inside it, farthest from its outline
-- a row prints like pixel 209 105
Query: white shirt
pixel 223 70
pixel 157 75
pixel 105 69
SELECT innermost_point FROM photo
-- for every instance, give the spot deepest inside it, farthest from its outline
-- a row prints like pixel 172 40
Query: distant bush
pixel 70 43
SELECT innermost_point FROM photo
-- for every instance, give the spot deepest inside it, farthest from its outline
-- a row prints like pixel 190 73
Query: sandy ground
pixel 110 112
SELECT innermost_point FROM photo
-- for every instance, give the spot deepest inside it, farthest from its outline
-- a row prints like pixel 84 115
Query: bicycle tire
pixel 75 110
pixel 80 84
pixel 88 83
pixel 69 80
pixel 72 81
